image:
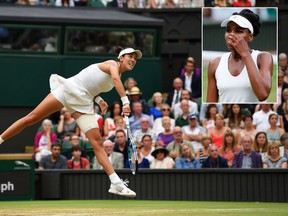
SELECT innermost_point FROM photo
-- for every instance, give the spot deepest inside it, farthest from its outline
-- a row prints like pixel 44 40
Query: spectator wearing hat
pixel 161 159
pixel 214 160
pixel 193 132
pixel 135 95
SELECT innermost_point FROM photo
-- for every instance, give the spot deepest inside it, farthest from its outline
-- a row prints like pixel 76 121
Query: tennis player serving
pixel 78 94
pixel 242 75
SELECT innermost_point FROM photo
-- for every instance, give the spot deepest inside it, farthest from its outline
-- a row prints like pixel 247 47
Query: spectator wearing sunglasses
pixel 166 111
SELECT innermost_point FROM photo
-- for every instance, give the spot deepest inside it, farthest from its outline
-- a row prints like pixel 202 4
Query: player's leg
pixel 48 106
pixel 88 124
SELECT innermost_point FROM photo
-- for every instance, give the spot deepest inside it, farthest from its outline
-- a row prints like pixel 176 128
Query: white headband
pixel 130 50
pixel 239 20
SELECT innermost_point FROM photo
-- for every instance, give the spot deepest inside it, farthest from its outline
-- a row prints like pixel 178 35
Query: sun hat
pixel 239 20
pixel 130 50
pixel 135 91
pixel 160 149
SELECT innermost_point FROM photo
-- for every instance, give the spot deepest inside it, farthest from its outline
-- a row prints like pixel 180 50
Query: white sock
pixel 114 178
pixel 1 140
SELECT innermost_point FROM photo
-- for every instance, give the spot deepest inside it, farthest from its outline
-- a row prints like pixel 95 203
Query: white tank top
pixel 234 89
pixel 93 80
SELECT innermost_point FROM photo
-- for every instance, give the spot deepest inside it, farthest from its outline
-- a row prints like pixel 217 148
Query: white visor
pixel 239 20
pixel 130 50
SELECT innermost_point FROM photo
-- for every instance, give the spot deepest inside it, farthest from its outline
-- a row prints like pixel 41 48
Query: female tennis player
pixel 243 75
pixel 78 94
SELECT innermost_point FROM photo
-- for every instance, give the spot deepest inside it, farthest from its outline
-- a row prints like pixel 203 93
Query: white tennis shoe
pixel 121 188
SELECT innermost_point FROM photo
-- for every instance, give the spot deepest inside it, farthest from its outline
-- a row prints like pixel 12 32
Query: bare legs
pixel 48 106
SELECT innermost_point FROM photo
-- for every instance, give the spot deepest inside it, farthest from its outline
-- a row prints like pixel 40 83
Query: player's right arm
pixel 212 92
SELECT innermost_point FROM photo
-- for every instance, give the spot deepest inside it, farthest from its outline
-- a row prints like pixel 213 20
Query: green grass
pixel 273 94
pixel 134 207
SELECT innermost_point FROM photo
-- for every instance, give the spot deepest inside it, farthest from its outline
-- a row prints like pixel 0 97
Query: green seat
pixel 66 145
pixel 95 3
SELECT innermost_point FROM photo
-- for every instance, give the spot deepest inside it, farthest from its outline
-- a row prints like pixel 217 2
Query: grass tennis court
pixel 137 208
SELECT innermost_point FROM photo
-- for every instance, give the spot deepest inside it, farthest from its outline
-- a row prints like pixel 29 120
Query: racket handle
pixel 127 121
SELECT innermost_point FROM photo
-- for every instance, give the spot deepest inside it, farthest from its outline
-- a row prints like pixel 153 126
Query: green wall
pixel 25 79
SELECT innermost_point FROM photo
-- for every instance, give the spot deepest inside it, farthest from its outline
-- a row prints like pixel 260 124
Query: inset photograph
pixel 239 55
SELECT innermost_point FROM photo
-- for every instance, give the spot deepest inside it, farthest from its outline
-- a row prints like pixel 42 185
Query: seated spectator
pixel 155 110
pixel 283 65
pixel 174 146
pixel 78 162
pixel 192 106
pixel 247 158
pixel 147 148
pixel 129 83
pixel 67 125
pixel 260 144
pixel 242 3
pixel 157 125
pixel 135 95
pixel 234 120
pixel 121 144
pixel 203 110
pixel 144 129
pixel 161 159
pixel 165 137
pixel 119 125
pixel 210 114
pixel 134 120
pixel 284 142
pixel 116 158
pixel 55 160
pixel 260 118
pixel 202 153
pixel 44 139
pixel 274 132
pixel 182 119
pixel 229 147
pixel 174 96
pixel 67 145
pixel 274 160
pixel 217 133
pixel 187 160
pixel 193 132
pixel 214 160
pixel 142 161
pixel 247 130
pixel 114 110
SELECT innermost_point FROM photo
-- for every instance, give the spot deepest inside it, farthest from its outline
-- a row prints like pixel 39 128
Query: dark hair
pixel 76 148
pixel 56 144
pixel 207 114
pixel 253 18
pixel 113 107
pixel 231 117
pixel 247 116
pixel 146 135
pixel 120 131
pixel 117 50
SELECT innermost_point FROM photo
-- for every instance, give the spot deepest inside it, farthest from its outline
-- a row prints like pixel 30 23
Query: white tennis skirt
pixel 71 94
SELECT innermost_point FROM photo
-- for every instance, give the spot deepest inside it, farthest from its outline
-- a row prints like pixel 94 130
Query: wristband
pixel 98 99
pixel 125 100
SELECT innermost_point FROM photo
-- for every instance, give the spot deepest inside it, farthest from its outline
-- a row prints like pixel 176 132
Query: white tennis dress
pixel 77 93
pixel 234 89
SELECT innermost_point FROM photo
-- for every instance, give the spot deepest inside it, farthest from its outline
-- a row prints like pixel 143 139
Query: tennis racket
pixel 132 152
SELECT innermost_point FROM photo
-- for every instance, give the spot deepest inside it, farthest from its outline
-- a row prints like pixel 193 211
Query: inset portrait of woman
pixel 244 74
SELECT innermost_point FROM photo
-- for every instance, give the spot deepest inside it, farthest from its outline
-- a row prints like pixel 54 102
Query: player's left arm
pixel 261 80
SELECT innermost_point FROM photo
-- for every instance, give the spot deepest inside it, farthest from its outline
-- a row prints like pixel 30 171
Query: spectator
pixel 193 107
pixel 142 161
pixel 117 4
pixel 217 133
pixel 204 108
pixel 144 129
pixel 214 160
pixel 182 119
pixel 282 110
pixel 283 65
pixel 44 139
pixel 64 3
pixel 260 118
pixel 247 130
pixel 174 146
pixel 210 114
pixel 193 132
pixel 242 3
pixel 203 153
pixel 174 96
pixel 109 125
pixel 78 162
pixel 247 158
pixel 129 84
pixel 229 147
pixel 284 142
pixel 187 160
pixel 274 160
pixel 119 125
pixel 135 95
pixel 166 111
pixel 191 81
pixel 147 148
pixel 67 125
pixel 55 160
pixel 116 158
pixel 161 159
pixel 165 137
pixel 137 115
pixel 260 144
pixel 281 87
pixel 234 120
pixel 155 110
pixel 68 145
pixel 274 132
pixel 121 144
